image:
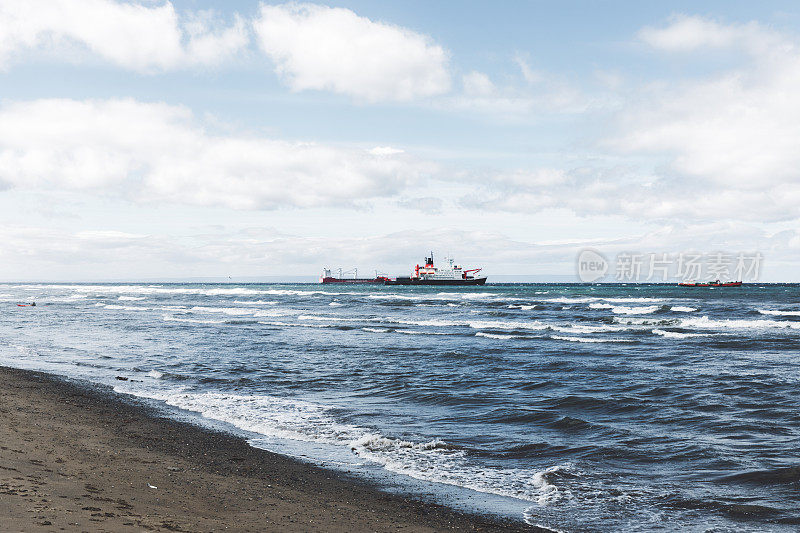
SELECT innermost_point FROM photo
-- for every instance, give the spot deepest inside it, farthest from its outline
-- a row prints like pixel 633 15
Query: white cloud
pixel 631 193
pixel 324 48
pixel 131 35
pixel 385 150
pixel 726 144
pixel 690 33
pixel 719 148
pixel 478 83
pixel 154 151
pixel 541 94
pixel 530 75
pixel 54 253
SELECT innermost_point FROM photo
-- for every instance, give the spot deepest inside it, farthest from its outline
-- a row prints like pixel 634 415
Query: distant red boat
pixel 716 283
pixel 344 277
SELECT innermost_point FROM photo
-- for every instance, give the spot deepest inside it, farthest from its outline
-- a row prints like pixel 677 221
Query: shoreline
pixel 77 457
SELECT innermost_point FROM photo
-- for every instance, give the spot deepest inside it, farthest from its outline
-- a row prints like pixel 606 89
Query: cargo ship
pixel 345 277
pixel 450 274
pixel 716 283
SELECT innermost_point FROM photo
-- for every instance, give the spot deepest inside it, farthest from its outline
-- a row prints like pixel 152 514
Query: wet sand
pixel 81 458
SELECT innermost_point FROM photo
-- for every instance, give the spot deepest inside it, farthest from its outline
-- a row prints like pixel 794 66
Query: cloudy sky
pixel 158 139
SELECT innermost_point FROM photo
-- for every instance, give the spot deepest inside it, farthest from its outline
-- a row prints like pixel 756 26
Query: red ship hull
pixel 728 284
pixel 379 279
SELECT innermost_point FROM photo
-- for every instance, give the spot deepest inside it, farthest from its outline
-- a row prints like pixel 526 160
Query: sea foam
pixel 293 419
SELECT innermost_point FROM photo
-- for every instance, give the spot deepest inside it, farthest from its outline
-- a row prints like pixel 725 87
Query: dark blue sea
pixel 575 407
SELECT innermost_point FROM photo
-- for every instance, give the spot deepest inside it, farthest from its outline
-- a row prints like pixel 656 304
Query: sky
pixel 151 139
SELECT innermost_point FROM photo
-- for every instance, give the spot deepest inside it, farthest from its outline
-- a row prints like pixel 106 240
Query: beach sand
pixel 81 458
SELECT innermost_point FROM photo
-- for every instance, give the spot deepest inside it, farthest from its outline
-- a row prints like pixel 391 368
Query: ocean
pixel 574 407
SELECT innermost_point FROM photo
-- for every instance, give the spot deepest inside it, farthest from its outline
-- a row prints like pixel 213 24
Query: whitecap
pixel 646 321
pixel 417 332
pixel 678 335
pixel 498 336
pixel 329 318
pixel 548 492
pixel 511 324
pixel 634 300
pixel 435 322
pixel 233 311
pixel 707 323
pixel 125 307
pixel 585 339
pixel 270 312
pixel 171 318
pixel 623 310
pixel 585 328
pixel 776 312
pixel 571 300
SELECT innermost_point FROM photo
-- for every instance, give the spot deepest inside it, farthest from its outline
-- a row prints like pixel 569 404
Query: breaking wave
pixel 721 324
pixel 776 312
pixel 677 334
pixel 585 339
pixel 646 310
pixel 498 336
pixel 293 419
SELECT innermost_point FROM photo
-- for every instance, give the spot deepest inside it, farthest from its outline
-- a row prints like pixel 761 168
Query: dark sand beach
pixel 75 458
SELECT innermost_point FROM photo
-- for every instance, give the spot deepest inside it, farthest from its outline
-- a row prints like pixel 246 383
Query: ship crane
pixel 349 276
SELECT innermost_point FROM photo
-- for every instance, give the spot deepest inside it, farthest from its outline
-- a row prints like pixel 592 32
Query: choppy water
pixel 594 408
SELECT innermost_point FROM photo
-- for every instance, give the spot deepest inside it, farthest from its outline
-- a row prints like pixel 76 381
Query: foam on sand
pixel 294 419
